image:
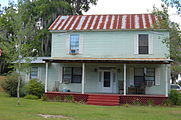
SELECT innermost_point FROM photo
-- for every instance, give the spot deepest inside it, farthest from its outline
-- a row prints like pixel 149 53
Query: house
pixel 119 55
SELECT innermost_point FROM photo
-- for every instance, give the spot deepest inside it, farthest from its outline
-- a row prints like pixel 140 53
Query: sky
pixel 125 7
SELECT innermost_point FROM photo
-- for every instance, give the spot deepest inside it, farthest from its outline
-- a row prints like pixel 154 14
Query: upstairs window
pixel 143 43
pixel 74 43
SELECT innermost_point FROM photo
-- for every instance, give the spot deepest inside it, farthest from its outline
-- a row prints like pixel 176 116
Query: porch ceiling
pixel 109 60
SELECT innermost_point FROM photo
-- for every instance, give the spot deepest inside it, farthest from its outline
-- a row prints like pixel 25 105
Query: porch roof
pixel 108 60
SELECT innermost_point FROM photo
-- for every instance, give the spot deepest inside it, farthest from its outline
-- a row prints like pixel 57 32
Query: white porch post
pixel 46 78
pixel 124 79
pixel 83 78
pixel 166 80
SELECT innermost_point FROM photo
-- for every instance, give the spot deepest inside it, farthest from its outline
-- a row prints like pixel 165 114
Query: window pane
pixel 143 44
pixel 143 36
pixel 34 72
pixel 67 76
pixel 143 49
pixel 67 70
pixel 74 42
pixel 139 72
pixel 150 72
pixel 76 79
pixel 77 71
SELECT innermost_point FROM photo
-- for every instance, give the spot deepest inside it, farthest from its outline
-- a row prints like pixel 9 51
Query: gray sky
pixel 124 7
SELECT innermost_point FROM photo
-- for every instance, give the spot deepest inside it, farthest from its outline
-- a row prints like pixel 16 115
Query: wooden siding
pixel 118 44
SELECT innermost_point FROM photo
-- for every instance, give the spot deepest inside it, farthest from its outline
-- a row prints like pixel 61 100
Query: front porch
pixel 109 99
pixel 113 76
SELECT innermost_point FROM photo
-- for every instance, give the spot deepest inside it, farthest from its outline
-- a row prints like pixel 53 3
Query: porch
pixel 109 99
pixel 113 76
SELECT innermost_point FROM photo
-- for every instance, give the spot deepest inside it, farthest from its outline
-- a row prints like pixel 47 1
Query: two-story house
pixel 115 54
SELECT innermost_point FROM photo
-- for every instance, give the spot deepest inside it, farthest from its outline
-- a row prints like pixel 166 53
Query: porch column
pixel 46 78
pixel 124 79
pixel 83 78
pixel 166 80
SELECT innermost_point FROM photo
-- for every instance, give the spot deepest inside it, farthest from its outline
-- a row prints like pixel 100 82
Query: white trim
pixel 136 44
pixel 150 43
pixel 124 79
pixel 83 78
pixel 46 78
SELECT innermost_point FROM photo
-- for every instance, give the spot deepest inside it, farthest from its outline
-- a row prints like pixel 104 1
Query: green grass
pixel 28 110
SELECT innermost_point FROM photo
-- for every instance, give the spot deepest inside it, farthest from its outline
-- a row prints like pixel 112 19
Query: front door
pixel 107 82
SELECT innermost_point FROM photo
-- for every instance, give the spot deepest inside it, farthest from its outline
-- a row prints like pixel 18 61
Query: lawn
pixel 29 109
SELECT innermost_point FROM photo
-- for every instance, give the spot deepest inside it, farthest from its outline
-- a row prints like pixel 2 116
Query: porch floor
pixel 110 99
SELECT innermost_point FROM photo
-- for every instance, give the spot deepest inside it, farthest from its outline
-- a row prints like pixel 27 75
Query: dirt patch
pixel 1 79
pixel 54 116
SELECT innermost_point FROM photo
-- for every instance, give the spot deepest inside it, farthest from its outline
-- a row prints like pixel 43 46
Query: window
pixel 144 75
pixel 150 75
pixel 34 73
pixel 143 43
pixel 74 74
pixel 74 42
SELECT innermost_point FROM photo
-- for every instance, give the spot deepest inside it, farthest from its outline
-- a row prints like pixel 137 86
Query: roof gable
pixel 104 22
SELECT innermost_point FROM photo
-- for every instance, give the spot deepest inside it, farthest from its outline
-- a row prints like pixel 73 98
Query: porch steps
pixel 103 99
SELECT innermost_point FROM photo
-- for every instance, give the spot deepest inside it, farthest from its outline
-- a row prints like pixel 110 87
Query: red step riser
pixel 103 104
pixel 106 96
pixel 103 100
pixel 103 97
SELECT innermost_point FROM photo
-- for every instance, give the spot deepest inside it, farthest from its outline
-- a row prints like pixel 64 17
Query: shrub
pixel 44 97
pixel 175 97
pixel 58 99
pixel 35 87
pixel 150 102
pixel 167 102
pixel 136 102
pixel 10 85
pixel 32 97
pixel 69 98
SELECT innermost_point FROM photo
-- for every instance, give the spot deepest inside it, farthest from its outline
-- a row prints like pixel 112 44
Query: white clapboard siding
pixel 67 43
pixel 131 75
pixel 135 44
pixel 81 44
pixel 157 76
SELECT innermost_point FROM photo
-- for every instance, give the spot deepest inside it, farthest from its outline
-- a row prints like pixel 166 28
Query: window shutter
pixel 81 44
pixel 60 73
pixel 135 44
pixel 157 76
pixel 131 74
pixel 67 43
pixel 150 44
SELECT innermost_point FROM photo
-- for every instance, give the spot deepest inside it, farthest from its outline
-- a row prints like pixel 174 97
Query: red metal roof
pixel 104 22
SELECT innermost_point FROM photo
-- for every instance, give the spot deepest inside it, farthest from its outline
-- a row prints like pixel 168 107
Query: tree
pixel 174 3
pixel 16 38
pixel 81 5
pixel 174 40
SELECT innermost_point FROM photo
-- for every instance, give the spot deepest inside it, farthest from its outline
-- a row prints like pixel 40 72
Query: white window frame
pixel 150 44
